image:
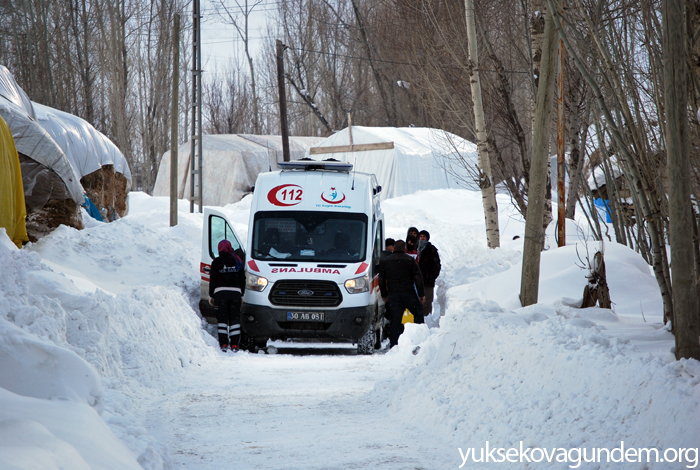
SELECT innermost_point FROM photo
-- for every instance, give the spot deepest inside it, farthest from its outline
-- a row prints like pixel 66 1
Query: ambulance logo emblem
pixel 285 195
pixel 333 196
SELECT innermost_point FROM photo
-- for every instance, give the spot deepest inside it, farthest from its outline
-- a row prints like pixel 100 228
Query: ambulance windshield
pixel 310 236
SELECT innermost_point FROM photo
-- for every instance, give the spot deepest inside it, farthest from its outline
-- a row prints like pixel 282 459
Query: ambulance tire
pixel 260 344
pixel 378 338
pixel 365 345
pixel 246 343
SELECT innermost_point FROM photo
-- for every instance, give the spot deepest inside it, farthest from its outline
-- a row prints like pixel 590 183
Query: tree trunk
pixel 597 291
pixel 685 302
pixel 390 115
pixel 488 190
pixel 534 236
pixel 575 129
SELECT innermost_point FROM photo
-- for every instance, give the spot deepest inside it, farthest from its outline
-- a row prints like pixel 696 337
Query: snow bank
pixel 549 375
pixel 117 324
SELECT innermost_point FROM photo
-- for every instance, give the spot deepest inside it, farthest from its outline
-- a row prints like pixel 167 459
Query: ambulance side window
pixel 378 247
pixel 219 230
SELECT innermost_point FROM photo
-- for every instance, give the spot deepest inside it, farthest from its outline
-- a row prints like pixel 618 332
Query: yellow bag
pixel 407 317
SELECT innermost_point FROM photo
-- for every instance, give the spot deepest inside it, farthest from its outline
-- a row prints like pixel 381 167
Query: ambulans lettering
pixel 306 270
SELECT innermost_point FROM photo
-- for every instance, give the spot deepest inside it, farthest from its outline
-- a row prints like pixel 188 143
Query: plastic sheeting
pixel 12 209
pixel 231 164
pixel 13 93
pixel 422 158
pixel 33 141
pixel 86 148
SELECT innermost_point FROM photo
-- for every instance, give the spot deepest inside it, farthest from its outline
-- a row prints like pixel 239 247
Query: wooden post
pixel 350 131
pixel 173 121
pixel 283 100
pixel 561 212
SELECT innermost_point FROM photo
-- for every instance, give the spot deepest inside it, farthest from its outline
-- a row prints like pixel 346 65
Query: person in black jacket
pixel 401 285
pixel 388 249
pixel 226 285
pixel 429 263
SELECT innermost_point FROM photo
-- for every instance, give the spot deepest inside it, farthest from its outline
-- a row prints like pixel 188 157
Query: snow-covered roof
pixel 86 148
pixel 422 158
pixel 231 164
pixel 597 178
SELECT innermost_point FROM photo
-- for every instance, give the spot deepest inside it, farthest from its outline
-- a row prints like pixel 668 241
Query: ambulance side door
pixel 215 228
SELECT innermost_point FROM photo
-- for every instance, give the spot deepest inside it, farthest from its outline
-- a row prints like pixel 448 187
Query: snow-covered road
pixel 288 412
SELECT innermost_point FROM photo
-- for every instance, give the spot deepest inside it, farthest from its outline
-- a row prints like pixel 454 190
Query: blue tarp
pixel 92 209
pixel 604 207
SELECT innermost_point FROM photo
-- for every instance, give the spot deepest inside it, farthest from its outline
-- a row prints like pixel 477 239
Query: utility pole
pixel 283 100
pixel 561 205
pixel 173 121
pixel 196 135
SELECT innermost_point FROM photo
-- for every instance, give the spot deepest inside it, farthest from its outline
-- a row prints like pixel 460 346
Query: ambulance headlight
pixel 357 285
pixel 256 283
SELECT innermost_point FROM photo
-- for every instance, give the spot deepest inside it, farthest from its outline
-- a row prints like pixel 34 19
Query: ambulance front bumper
pixel 344 324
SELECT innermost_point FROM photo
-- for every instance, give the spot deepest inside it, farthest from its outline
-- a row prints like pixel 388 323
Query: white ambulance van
pixel 315 235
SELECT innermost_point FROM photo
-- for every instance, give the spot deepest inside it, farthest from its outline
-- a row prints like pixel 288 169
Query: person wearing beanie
pixel 388 249
pixel 412 246
pixel 429 264
pixel 401 286
pixel 226 285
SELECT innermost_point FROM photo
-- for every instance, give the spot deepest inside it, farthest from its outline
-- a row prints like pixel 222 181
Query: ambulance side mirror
pixel 377 190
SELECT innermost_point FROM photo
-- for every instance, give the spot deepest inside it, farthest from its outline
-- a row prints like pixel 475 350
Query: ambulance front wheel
pixel 260 343
pixel 365 345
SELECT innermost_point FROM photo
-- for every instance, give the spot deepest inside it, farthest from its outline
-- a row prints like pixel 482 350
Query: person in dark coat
pixel 429 263
pixel 412 246
pixel 388 249
pixel 401 286
pixel 226 286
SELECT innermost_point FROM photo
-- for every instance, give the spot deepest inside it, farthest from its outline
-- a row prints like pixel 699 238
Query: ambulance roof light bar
pixel 307 164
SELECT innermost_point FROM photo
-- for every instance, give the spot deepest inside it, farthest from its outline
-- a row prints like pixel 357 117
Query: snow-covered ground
pixel 105 364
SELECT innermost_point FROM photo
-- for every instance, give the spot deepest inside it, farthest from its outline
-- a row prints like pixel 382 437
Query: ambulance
pixel 315 235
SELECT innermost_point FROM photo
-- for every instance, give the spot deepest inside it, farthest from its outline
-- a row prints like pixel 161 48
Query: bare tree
pixel 239 19
pixel 488 190
pixel 685 301
pixel 534 236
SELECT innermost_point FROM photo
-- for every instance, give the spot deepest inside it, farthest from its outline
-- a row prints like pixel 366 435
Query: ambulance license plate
pixel 304 316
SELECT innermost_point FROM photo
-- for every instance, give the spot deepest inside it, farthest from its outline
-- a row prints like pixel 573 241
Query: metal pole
pixel 283 100
pixel 196 133
pixel 200 162
pixel 174 121
pixel 560 150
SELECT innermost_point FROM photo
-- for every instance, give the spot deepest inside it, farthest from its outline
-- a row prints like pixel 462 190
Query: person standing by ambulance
pixel 429 264
pixel 226 285
pixel 401 286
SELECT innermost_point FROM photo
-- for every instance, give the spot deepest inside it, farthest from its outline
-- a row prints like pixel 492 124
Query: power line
pixel 391 62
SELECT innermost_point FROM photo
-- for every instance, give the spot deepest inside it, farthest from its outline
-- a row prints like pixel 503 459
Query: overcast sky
pixel 220 42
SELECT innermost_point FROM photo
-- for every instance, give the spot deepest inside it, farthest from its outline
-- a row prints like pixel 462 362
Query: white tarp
pixel 422 158
pixel 13 93
pixel 33 141
pixel 86 148
pixel 231 164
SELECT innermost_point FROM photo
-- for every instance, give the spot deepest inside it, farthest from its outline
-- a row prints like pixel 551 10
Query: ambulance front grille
pixel 305 293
